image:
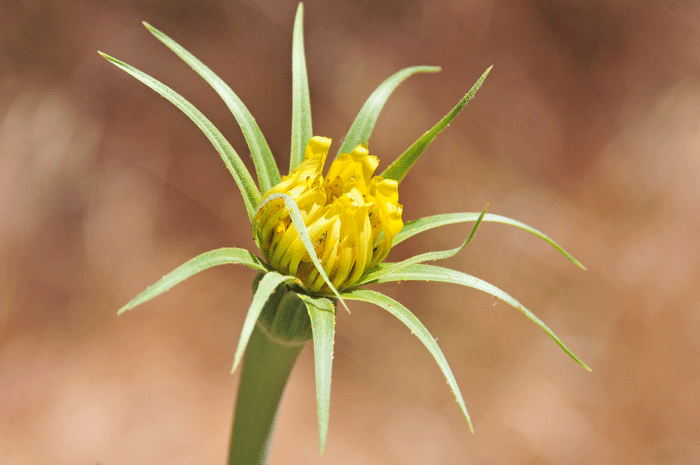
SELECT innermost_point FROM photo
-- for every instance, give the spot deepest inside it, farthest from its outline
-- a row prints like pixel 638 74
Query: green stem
pixel 266 368
pixel 279 335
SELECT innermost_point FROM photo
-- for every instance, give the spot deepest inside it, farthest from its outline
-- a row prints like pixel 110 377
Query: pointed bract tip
pixel 235 364
pixel 110 58
pixel 486 73
pixel 123 309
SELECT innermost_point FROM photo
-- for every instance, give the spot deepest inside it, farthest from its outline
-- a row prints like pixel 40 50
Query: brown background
pixel 587 128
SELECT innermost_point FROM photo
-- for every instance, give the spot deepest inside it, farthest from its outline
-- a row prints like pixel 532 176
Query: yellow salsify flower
pixel 352 218
pixel 321 238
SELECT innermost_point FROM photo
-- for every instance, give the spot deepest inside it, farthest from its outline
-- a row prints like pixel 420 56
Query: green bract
pixel 321 307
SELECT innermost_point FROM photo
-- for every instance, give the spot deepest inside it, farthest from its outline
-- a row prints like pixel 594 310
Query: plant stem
pixel 266 368
pixel 282 330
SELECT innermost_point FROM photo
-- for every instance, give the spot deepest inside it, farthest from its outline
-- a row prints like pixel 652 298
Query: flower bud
pixel 351 217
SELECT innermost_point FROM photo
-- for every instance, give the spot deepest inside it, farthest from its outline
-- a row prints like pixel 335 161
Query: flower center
pixel 352 218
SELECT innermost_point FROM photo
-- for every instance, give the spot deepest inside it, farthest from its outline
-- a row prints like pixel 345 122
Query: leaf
pixel 268 174
pixel 322 316
pixel 430 222
pixel 251 195
pixel 388 268
pixel 266 287
pixel 362 127
pixel 228 255
pixel 417 328
pixel 446 275
pixel 303 233
pixel 400 167
pixel 301 102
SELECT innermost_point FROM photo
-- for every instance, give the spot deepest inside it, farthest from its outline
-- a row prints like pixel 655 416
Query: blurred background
pixel 587 128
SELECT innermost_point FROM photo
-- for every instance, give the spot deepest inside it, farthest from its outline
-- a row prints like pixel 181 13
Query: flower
pixel 351 217
pixel 325 238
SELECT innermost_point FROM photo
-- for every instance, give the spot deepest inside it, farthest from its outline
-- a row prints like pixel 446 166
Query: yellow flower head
pixel 351 216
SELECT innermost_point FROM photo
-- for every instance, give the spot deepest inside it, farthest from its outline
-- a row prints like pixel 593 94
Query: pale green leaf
pixel 301 102
pixel 439 274
pixel 251 195
pixel 417 328
pixel 268 174
pixel 266 287
pixel 400 167
pixel 303 233
pixel 414 227
pixel 322 315
pixel 228 255
pixel 362 127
